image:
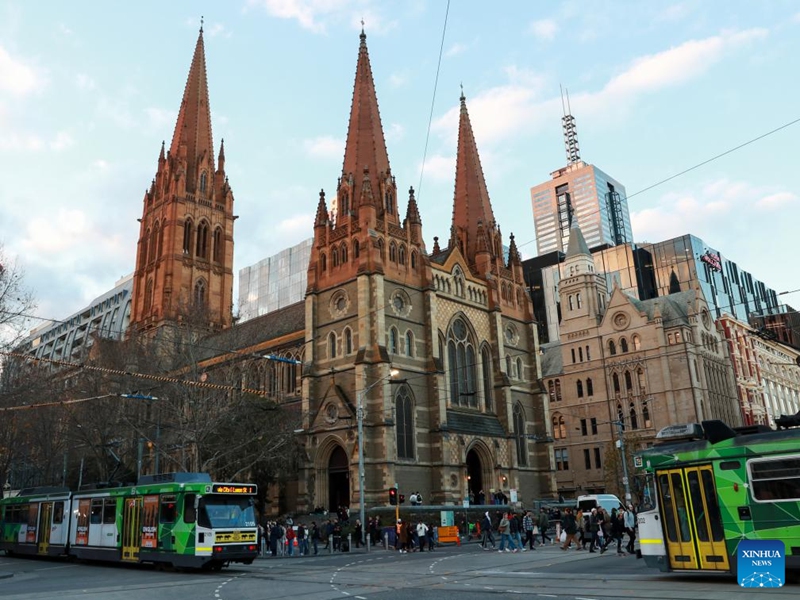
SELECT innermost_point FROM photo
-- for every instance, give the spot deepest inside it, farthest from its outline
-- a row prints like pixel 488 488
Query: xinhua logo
pixel 761 563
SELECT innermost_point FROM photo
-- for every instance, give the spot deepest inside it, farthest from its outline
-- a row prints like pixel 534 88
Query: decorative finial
pixel 362 24
pixel 363 35
pixel 201 23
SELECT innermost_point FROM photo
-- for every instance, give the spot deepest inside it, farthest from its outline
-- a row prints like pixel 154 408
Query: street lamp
pixel 621 441
pixel 360 416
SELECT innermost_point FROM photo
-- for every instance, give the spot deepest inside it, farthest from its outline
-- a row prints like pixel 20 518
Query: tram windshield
pixel 224 511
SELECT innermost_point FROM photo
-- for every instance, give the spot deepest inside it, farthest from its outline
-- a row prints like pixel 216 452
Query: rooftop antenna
pixel 570 131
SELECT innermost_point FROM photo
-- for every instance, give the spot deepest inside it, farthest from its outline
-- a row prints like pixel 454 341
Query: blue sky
pixel 88 90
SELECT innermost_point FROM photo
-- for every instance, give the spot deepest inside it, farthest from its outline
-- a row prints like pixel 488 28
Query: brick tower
pixel 184 262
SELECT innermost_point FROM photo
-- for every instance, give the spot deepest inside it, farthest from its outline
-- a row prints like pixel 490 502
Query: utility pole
pixel 621 442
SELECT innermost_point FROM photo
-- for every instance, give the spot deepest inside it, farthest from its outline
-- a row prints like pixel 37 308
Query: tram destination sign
pixel 233 488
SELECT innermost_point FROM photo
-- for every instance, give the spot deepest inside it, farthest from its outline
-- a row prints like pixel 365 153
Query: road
pixel 463 573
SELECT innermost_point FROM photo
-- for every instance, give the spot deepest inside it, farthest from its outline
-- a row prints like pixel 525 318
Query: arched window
pixel 628 382
pixel 404 418
pixel 589 388
pixel 637 343
pixel 381 248
pixel 401 255
pixel 580 354
pixel 334 257
pixel 588 356
pixel 612 347
pixel 348 341
pixel 615 382
pixel 559 427
pixel 519 435
pixel 508 365
pixel 646 416
pixel 148 295
pixel 486 368
pixel 187 236
pixel 558 390
pixel 344 252
pixel 571 305
pixel 623 345
pixel 356 248
pixel 642 381
pixel 620 415
pixel 413 259
pixel 392 252
pixel 579 388
pixel 218 245
pixel 578 301
pixel 519 369
pixel 323 261
pixel 572 351
pixel 461 355
pixel 409 343
pixel 200 294
pixel 201 249
pixel 203 182
pixel 144 246
pixel 551 388
pixel 332 344
pixel 634 422
pixel 154 253
pixel 393 343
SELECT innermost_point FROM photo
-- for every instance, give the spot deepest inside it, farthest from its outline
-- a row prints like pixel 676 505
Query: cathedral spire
pixel 577 244
pixel 412 211
pixel 192 138
pixel 471 204
pixel 365 150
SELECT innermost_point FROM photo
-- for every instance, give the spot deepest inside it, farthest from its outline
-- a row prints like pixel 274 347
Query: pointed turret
pixel 322 211
pixel 365 151
pixel 471 203
pixel 161 156
pixel 221 159
pixel 513 253
pixel 577 243
pixel 412 212
pixel 192 140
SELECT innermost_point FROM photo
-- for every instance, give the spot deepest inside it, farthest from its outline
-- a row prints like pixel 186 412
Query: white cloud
pixel 399 79
pixel 310 14
pixel 21 142
pixel 218 29
pixel 394 133
pixel 64 29
pixel 325 146
pixel 296 224
pixel 777 200
pixel 160 119
pixel 440 167
pixel 16 76
pixel 62 141
pixel 455 50
pixel 675 12
pixel 85 82
pixel 544 29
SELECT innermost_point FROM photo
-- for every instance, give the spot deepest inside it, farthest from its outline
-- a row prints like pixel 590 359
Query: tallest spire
pixel 366 146
pixel 192 138
pixel 471 205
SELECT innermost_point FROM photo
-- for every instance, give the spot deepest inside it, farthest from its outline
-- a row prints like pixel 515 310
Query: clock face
pixel 620 321
pixel 706 319
pixel 399 303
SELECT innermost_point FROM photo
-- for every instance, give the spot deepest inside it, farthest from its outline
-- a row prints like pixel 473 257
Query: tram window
pixel 698 505
pixel 775 479
pixel 680 507
pixel 97 511
pixel 110 511
pixel 58 513
pixel 189 510
pixel 729 465
pixel 666 500
pixel 167 509
pixel 714 515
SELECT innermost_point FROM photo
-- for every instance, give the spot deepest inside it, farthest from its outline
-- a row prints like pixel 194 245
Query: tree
pixel 612 465
pixel 16 302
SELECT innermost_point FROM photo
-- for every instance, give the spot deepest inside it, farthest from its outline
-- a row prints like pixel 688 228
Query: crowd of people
pixel 598 529
pixel 511 526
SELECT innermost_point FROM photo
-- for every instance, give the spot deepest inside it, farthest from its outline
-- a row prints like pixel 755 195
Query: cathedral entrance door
pixel 338 480
pixel 475 474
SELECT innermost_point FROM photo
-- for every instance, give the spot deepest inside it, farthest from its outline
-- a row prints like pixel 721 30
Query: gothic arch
pixel 331 476
pixel 479 463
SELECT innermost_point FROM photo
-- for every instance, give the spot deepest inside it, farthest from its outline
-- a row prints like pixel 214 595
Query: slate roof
pixel 675 308
pixel 474 423
pixel 551 359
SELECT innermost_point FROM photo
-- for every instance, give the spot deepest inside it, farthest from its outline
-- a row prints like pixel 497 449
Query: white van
pixel 607 501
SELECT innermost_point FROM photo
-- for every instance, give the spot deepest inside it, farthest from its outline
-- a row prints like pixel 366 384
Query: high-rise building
pixel 580 191
pixel 274 282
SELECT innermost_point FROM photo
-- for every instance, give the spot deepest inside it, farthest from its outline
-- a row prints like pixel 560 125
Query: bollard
pixel 386 541
pixel 330 544
pixel 349 542
pixel 367 541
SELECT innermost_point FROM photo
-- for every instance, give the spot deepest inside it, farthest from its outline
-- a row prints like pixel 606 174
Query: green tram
pixel 707 487
pixel 181 519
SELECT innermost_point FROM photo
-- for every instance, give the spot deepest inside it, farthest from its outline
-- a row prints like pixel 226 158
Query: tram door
pixel 693 531
pixel 131 529
pixel 43 532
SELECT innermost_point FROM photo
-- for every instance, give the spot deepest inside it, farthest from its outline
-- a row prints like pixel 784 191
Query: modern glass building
pixel 274 282
pixel 581 191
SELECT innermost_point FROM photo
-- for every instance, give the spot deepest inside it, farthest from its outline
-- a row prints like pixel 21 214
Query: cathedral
pixel 437 346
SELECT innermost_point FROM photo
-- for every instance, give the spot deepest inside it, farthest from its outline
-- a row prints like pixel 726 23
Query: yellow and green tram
pixel 181 519
pixel 708 487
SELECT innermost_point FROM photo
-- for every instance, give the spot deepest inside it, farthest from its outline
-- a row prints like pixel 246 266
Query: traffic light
pixel 393 496
pixel 402 498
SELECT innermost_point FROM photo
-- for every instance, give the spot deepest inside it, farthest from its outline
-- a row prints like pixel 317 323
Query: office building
pixel 274 282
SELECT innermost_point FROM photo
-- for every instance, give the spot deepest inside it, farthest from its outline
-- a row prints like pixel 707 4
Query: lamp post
pixel 621 441
pixel 360 417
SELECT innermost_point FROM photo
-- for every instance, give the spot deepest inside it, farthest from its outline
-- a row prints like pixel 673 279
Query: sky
pixel 89 89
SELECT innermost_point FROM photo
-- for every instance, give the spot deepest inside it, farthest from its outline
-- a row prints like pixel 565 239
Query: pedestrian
pixel 358 531
pixel 543 524
pixel 516 531
pixel 486 532
pixel 422 535
pixel 431 539
pixel 570 525
pixel 275 534
pixel 630 528
pixel 315 537
pixel 505 535
pixel 290 537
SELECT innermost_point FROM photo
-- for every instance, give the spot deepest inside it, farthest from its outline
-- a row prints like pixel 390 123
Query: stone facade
pixel 642 364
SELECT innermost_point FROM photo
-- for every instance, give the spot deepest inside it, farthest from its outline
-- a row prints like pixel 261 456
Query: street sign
pixel 447 518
